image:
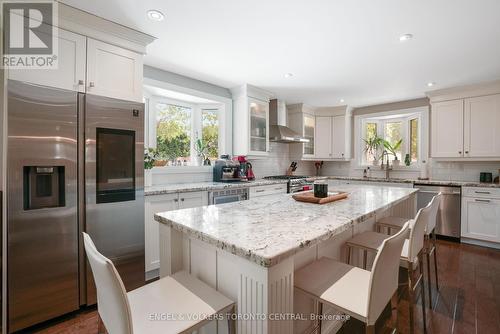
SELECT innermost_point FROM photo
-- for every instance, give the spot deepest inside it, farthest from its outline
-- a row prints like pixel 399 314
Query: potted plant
pixel 201 149
pixel 392 148
pixel 372 146
pixel 150 158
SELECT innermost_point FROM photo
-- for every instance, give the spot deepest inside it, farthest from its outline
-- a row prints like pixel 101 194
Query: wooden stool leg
pixel 394 309
pixel 435 259
pixel 410 296
pixel 100 325
pixel 320 313
pixel 348 255
pixel 428 258
pixel 365 255
pixel 421 257
pixel 369 329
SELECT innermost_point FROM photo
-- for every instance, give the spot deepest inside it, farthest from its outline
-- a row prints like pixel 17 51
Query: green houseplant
pixel 392 148
pixel 201 149
pixel 372 146
pixel 151 155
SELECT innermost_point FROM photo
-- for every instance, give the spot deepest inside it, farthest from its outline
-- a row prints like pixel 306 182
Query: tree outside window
pixel 173 132
pixel 210 132
pixel 393 133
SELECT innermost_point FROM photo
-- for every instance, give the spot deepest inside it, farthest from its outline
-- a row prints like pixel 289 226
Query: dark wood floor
pixel 468 300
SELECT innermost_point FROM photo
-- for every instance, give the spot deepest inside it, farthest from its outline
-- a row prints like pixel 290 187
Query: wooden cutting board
pixel 309 197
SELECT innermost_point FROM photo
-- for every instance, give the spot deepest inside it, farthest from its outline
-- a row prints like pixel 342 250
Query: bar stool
pixel 149 309
pixel 395 223
pixel 411 255
pixel 357 292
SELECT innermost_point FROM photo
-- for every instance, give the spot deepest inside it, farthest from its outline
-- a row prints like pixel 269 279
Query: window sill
pixel 181 169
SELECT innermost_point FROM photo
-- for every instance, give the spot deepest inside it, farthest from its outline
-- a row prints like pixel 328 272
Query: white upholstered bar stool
pixel 357 292
pixel 176 304
pixel 393 224
pixel 411 255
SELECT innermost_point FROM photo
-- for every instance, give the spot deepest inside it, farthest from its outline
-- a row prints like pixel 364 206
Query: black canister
pixel 485 177
pixel 320 190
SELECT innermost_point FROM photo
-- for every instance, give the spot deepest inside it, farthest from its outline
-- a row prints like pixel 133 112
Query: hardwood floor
pixel 468 300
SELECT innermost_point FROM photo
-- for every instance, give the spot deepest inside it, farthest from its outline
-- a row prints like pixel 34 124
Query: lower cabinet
pixel 162 203
pixel 481 218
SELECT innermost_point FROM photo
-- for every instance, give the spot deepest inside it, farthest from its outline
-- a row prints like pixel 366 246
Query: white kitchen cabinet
pixel 332 137
pixel 113 71
pixel 447 129
pixel 250 121
pixel 162 203
pixel 338 137
pixel 301 119
pixel 481 219
pixel 323 137
pixel 70 72
pixel 273 189
pixel 482 127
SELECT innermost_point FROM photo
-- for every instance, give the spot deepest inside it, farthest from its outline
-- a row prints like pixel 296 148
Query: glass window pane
pixel 414 140
pixel 173 132
pixel 370 133
pixel 210 132
pixel 392 133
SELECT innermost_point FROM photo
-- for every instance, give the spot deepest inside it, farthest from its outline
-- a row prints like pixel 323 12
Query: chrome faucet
pixel 388 167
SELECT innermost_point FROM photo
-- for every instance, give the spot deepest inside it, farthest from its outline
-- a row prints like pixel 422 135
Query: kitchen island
pixel 249 250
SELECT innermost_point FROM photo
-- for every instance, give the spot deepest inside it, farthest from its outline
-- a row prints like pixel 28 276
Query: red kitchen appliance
pixel 245 168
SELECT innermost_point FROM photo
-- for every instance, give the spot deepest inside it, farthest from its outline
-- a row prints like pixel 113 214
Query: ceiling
pixel 343 49
pixel 160 92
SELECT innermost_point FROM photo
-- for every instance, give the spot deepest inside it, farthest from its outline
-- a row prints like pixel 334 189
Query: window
pixel 173 132
pixel 414 140
pixel 210 131
pixel 390 128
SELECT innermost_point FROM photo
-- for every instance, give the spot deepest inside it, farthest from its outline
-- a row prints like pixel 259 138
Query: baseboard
pixel 481 243
pixel 152 274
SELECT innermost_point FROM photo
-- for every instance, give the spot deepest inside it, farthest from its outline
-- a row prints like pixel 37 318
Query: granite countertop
pixel 413 181
pixel 268 229
pixel 204 186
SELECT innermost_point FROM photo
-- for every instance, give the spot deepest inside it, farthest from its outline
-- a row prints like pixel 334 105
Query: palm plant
pixel 372 144
pixel 392 148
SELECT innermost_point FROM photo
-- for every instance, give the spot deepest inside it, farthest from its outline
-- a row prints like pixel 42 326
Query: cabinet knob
pixel 459 152
pixel 91 84
pixel 176 200
pixel 80 82
pixel 466 152
pixel 342 154
pixel 182 199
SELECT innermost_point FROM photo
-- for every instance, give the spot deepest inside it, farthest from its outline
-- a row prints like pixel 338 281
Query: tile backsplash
pixel 437 170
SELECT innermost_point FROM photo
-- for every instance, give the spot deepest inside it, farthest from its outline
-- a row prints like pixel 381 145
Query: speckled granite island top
pixel 268 229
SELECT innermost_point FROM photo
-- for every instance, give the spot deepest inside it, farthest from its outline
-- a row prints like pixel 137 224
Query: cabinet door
pixel 309 133
pixel 482 127
pixel 70 72
pixel 259 126
pixel 323 137
pixel 113 71
pixel 193 199
pixel 338 137
pixel 447 135
pixel 481 219
pixel 155 204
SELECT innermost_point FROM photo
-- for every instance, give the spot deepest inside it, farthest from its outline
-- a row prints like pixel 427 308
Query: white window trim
pixel 422 113
pixel 225 119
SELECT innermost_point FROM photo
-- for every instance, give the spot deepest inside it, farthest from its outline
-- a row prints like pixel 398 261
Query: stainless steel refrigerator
pixel 75 163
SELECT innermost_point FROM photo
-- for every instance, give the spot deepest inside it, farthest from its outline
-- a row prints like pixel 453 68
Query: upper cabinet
pixel 113 71
pixel 466 128
pixel 302 120
pixel 70 73
pixel 95 56
pixel 333 129
pixel 250 121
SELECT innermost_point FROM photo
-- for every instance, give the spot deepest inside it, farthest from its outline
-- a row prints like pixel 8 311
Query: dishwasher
pixel 449 214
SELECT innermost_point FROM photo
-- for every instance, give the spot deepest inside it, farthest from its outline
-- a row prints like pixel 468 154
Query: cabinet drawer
pixel 481 192
pixel 268 190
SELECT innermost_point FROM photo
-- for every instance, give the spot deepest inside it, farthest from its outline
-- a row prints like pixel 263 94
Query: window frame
pixel 381 118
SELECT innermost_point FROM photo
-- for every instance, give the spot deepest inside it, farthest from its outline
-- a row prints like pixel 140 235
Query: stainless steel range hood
pixel 278 131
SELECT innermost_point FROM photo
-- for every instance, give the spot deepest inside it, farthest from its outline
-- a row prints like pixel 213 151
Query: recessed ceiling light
pixel 288 75
pixel 155 15
pixel 430 84
pixel 342 100
pixel 405 37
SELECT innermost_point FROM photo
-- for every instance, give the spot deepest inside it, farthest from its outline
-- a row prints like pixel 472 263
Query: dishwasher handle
pixel 442 192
